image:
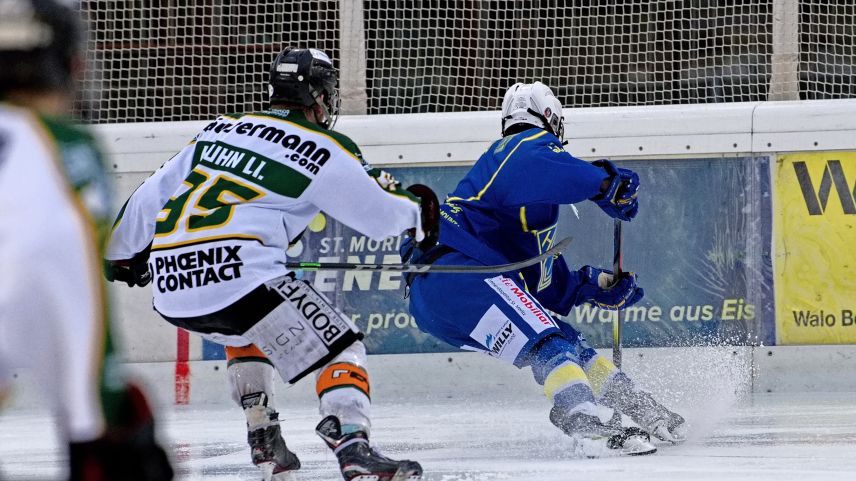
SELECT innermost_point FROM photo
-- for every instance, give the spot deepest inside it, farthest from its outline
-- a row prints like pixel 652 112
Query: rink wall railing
pixel 743 239
pixel 615 132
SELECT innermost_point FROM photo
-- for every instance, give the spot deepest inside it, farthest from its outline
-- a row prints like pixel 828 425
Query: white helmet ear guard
pixel 532 104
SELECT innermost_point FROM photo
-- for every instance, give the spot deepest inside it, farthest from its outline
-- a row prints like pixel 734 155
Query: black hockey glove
pixel 618 198
pixel 127 451
pixel 429 208
pixel 134 271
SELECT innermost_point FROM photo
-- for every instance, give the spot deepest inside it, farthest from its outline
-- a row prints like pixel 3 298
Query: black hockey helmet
pixel 39 44
pixel 306 77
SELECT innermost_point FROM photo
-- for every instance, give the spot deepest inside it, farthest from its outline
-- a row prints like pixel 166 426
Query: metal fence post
pixel 784 81
pixel 352 57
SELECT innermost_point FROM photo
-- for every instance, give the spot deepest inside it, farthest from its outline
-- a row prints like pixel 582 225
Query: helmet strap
pixel 543 119
pixel 504 119
pixel 329 118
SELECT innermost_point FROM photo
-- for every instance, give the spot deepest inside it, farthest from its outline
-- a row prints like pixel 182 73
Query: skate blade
pixel 636 446
pixel 406 475
pixel 285 476
pixel 267 471
pixel 676 436
pixel 268 474
pixel 594 448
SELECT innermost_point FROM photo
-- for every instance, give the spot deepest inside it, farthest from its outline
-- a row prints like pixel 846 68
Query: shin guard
pixel 343 389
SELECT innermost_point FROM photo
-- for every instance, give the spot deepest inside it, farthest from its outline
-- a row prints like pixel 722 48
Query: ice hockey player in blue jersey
pixel 505 210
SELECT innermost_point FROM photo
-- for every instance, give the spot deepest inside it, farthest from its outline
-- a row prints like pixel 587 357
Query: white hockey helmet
pixel 533 104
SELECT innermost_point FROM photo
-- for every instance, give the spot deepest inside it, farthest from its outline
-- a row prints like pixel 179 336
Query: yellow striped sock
pixel 564 376
pixel 599 370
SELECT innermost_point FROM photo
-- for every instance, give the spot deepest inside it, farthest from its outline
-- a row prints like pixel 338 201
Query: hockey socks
pixel 555 367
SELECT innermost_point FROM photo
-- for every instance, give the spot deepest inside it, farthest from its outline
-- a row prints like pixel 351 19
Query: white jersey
pixel 221 213
pixel 54 206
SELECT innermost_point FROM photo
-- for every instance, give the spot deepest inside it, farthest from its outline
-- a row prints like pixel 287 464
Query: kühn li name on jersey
pixel 306 153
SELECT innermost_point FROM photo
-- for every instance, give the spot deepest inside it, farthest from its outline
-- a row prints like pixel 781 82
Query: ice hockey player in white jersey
pixel 210 230
pixel 55 210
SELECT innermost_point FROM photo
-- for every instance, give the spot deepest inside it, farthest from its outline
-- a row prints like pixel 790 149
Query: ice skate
pixel 652 416
pixel 267 448
pixel 361 462
pixel 595 438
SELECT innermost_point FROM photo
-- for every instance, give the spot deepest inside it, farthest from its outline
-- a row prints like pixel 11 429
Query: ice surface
pixel 779 437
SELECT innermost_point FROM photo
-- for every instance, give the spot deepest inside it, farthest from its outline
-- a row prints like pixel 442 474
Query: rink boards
pixel 743 236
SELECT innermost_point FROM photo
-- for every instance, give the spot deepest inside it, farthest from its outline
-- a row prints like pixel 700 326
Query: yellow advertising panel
pixel 815 236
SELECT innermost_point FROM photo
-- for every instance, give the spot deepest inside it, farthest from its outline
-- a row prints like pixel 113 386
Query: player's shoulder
pixel 82 163
pixel 341 140
pixel 298 119
pixel 59 157
pixel 346 142
pixel 55 132
pixel 65 132
pixel 76 148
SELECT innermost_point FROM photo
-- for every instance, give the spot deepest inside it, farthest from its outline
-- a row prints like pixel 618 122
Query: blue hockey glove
pixel 597 287
pixel 618 200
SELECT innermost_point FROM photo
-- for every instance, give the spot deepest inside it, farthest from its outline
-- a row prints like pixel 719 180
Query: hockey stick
pixel 421 268
pixel 616 269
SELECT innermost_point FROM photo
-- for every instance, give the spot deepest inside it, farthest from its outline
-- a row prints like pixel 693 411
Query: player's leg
pixel 344 391
pixel 497 316
pixel 306 331
pixel 615 389
pixel 107 421
pixel 127 447
pixel 344 395
pixel 251 377
pixel 557 364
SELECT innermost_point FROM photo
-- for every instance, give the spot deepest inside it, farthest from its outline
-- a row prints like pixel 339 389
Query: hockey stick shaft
pixel 616 269
pixel 557 249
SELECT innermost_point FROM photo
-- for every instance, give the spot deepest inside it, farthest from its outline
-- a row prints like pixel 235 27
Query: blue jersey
pixel 506 209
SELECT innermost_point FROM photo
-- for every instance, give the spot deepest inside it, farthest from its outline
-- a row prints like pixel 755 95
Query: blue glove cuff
pixel 619 198
pixel 623 293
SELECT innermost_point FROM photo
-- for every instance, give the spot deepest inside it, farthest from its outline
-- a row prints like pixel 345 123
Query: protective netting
pixel 174 60
pixel 453 55
pixel 160 61
pixel 827 49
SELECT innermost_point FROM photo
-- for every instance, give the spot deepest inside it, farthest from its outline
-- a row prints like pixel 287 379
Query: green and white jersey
pixel 220 214
pixel 54 317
